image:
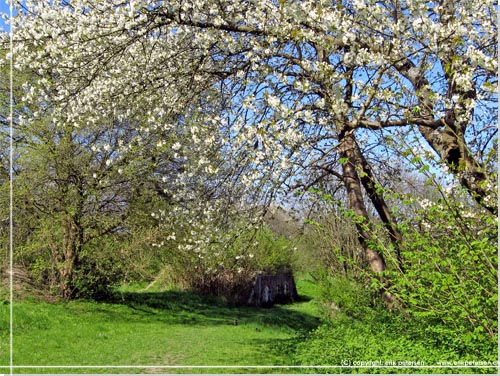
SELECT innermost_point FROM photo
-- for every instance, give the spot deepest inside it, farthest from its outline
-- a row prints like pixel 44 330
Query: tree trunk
pixel 448 140
pixel 451 145
pixel 356 203
pixel 71 246
pixel 369 184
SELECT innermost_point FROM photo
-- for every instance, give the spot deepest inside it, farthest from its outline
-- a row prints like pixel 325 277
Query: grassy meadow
pixel 173 331
pixel 155 328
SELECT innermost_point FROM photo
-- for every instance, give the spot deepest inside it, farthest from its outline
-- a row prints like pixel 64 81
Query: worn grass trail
pixel 169 328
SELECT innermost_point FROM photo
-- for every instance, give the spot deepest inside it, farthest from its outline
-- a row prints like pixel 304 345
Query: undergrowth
pixel 359 332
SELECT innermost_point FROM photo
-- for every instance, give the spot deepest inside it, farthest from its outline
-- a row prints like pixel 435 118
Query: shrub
pixel 100 269
pixel 451 275
pixel 386 340
pixel 229 270
pixel 346 297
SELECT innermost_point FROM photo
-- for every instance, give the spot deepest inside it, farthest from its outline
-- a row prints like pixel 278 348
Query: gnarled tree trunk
pixel 71 247
pixel 357 205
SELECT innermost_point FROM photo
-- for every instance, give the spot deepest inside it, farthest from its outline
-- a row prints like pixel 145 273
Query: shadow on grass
pixel 189 308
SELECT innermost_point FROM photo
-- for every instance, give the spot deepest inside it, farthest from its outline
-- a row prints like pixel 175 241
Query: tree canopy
pixel 262 97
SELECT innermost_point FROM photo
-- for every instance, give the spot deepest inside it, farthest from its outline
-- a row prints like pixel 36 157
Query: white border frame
pixel 13 367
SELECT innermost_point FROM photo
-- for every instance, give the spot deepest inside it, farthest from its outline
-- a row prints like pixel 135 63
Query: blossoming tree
pixel 303 87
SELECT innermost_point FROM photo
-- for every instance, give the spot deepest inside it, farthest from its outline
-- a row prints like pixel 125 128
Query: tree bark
pixel 448 140
pixel 369 184
pixel 71 247
pixel 356 202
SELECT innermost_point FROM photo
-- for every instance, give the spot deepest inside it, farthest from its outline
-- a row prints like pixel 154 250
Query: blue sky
pixel 4 8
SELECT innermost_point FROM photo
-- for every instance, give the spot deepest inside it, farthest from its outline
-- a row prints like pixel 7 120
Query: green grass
pixel 181 329
pixel 169 328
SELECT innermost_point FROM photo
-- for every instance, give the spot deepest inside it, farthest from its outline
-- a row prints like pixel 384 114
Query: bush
pixel 35 256
pixel 451 275
pixel 100 269
pixel 346 297
pixel 330 241
pixel 358 328
pixel 230 272
pixel 385 340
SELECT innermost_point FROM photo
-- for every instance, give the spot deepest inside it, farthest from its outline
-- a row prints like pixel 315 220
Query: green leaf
pixel 416 160
pixel 424 168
